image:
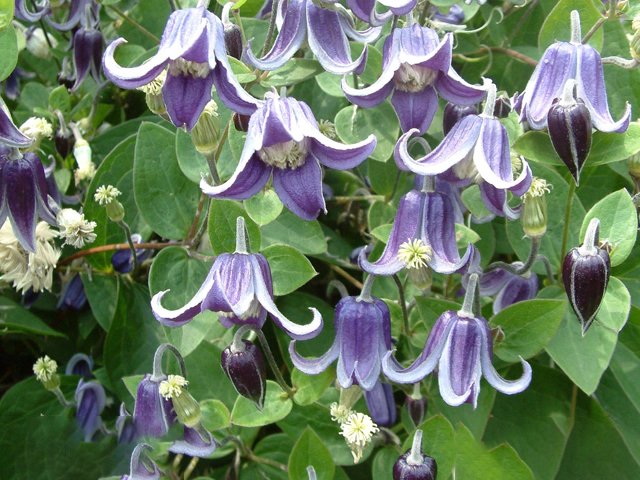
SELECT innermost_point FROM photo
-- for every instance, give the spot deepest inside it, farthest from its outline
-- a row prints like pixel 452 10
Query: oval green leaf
pixel 222 227
pixel 310 451
pixel 289 268
pixel 276 407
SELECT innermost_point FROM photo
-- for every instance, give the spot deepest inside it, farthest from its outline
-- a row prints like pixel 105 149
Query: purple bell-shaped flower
pixel 142 467
pixel 79 364
pixel 91 400
pixel 381 404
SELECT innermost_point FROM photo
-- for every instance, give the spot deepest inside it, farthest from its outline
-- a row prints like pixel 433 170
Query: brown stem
pixel 506 51
pixel 115 246
pixel 346 275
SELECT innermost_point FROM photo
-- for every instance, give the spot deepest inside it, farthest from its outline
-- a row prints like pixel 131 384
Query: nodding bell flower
pixel 460 343
pixel 381 404
pixel 88 45
pixel 416 65
pixel 22 12
pixel 242 362
pixel 560 63
pixel 284 143
pixel 415 465
pixel 125 427
pixel 239 288
pixel 363 337
pixel 79 364
pixel 91 400
pixel 454 113
pixel 327 26
pixel 193 47
pixel 423 237
pixel 476 148
pixel 142 467
pixel 585 273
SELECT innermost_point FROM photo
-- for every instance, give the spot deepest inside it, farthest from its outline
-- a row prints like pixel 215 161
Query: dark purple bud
pixel 79 364
pixel 64 142
pixel 569 124
pixel 454 113
pixel 502 107
pixel 417 408
pixel 585 273
pixel 153 414
pixel 88 46
pixel 381 405
pixel 91 399
pixel 66 76
pixel 73 296
pixel 233 40
pixel 241 122
pixel 415 465
pixel 243 364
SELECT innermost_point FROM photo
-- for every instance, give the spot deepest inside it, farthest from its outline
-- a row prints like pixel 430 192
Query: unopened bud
pixel 206 134
pixel 502 107
pixel 416 406
pixel 37 43
pixel 233 40
pixel 153 94
pixel 454 113
pixel 415 465
pixel 534 208
pixel 64 142
pixel 244 365
pixel 241 122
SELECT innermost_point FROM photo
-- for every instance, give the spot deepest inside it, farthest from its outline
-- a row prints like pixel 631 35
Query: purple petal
pixel 290 37
pixel 338 155
pixel 415 110
pixel 185 97
pixel 399 7
pixel 300 189
pixel 368 35
pixel 23 13
pixel 421 46
pixel 462 354
pixel 317 365
pixel 405 227
pixel 132 77
pixel 246 181
pixel 20 198
pixel 592 89
pixel 9 133
pixel 42 202
pixel 91 400
pixel 492 282
pixel 194 444
pixel 150 413
pixel 381 405
pixel 454 89
pixel 232 289
pixel 518 289
pixel 495 199
pixel 361 8
pixel 143 468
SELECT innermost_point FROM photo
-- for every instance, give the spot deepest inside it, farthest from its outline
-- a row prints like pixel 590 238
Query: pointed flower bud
pixel 241 122
pixel 569 124
pixel 454 113
pixel 585 273
pixel 206 134
pixel 415 465
pixel 45 370
pixel 416 406
pixel 534 208
pixel 502 107
pixel 186 407
pixel 125 426
pixel 64 142
pixel 242 362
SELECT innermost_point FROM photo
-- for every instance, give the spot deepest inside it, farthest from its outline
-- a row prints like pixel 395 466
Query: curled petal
pixel 369 35
pixel 495 199
pixel 421 46
pixel 23 13
pixel 316 365
pixel 248 179
pixel 228 89
pixel 454 89
pixel 295 331
pixel 132 77
pixel 9 133
pixel 232 287
pixel 195 444
pixel 143 468
pixel 338 155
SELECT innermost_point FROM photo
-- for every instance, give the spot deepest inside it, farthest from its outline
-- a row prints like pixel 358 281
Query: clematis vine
pixel 326 25
pixel 284 143
pixel 193 47
pixel 476 148
pixel 240 290
pixel 363 337
pixel 416 65
pixel 460 344
pixel 561 62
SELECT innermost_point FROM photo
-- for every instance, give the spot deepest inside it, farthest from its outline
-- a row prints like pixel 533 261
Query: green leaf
pixel 465 236
pixel 9 49
pixel 383 176
pixel 59 99
pixel 310 388
pixel 276 407
pixel 6 13
pixel 241 71
pixel 625 363
pixel 438 441
pixel 538 438
pixel 557 26
pixel 528 327
pixel 131 383
pixel 167 200
pixel 380 213
pixel 618 224
pixel 191 162
pixel 537 146
pixel 428 311
pixel 383 462
pixel 584 359
pixel 264 207
pixel 288 229
pixel 472 199
pixel 15 318
pixel 289 268
pixel 149 14
pixel 354 124
pixel 310 451
pixel 382 232
pixel 296 70
pixel 215 415
pixel 222 226
pixel 102 293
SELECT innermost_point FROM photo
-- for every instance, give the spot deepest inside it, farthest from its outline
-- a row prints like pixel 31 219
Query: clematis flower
pixel 79 364
pixel 561 62
pixel 476 148
pixel 423 235
pixel 91 400
pixel 416 65
pixel 22 12
pixel 363 337
pixel 460 344
pixel 195 443
pixel 381 404
pixel 153 414
pixel 142 467
pixel 284 140
pixel 327 29
pixel 193 47
pixel 366 11
pixel 239 288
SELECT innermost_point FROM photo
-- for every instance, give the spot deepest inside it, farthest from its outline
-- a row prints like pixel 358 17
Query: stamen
pixel 414 253
pixel 172 386
pixel 413 78
pixel 283 155
pixel 180 66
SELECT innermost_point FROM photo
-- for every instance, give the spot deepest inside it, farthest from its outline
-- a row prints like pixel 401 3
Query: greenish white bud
pixel 206 134
pixel 534 208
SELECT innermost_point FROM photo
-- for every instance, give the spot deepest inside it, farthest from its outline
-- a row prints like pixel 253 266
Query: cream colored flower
pixel 358 431
pixel 172 386
pixel 75 230
pixel 45 368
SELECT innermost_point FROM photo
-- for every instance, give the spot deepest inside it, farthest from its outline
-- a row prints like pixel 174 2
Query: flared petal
pixel 447 391
pixel 132 77
pixel 43 207
pixel 329 42
pixel 185 97
pixel 295 331
pixel 495 199
pixel 454 89
pixel 556 66
pixel 76 15
pixel 454 148
pixel 439 232
pixel 592 89
pixel 399 7
pixel 421 46
pixel 194 444
pixel 232 288
pixel 316 365
pixel 518 289
pixel 492 282
pixel 141 467
pixel 246 181
pixel 21 199
pixel 405 227
pixel 337 155
pixel 9 133
pixel 182 316
pixel 300 189
pixel 415 110
pixel 361 8
pixel 368 35
pixel 508 387
pixel 287 42
pixel 23 13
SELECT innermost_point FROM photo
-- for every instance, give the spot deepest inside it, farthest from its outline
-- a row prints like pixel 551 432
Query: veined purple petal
pixel 381 405
pixel 40 181
pixel 21 199
pixel 338 155
pixel 592 89
pixel 462 354
pixel 316 365
pixel 421 46
pixel 518 289
pixel 453 149
pixel 91 400
pixel 83 53
pixel 454 89
pixel 492 282
pixel 495 199
pixel 295 331
pixel 556 66
pixel 187 35
pixel 415 109
pixel 185 97
pixel 361 8
pixel 369 35
pixel 142 468
pixel 300 189
pixel 76 15
pixel 405 227
pixel 132 77
pixel 279 123
pixel 399 7
pixel 9 133
pixel 232 288
pixel 288 41
pixel 193 444
pixel 248 179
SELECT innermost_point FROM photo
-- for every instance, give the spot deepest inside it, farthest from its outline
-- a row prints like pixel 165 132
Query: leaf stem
pixel 272 26
pixel 272 362
pixel 403 305
pixel 127 232
pixel 531 259
pixel 139 27
pixel 116 246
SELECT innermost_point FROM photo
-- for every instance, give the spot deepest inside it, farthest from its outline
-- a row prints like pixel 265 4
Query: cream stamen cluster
pixel 413 78
pixel 284 155
pixel 414 253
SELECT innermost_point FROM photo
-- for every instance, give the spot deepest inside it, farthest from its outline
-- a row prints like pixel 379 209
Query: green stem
pixel 567 217
pixel 403 305
pixel 272 26
pixel 572 412
pixel 531 259
pixel 139 27
pixel 601 21
pixel 272 363
pixel 127 232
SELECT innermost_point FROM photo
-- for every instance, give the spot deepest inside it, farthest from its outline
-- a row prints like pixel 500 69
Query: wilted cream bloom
pixel 340 413
pixel 37 129
pixel 86 168
pixel 28 270
pixel 75 230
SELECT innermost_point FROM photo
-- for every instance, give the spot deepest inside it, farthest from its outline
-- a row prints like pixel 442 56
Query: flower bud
pixel 79 364
pixel 233 40
pixel 454 113
pixel 206 134
pixel 415 465
pixel 634 166
pixel 91 400
pixel 64 142
pixel 534 208
pixel 416 406
pixel 502 107
pixel 153 94
pixel 186 407
pixel 241 122
pixel 244 365
pixel 569 124
pixel 585 273
pixel 125 426
pixel 66 75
